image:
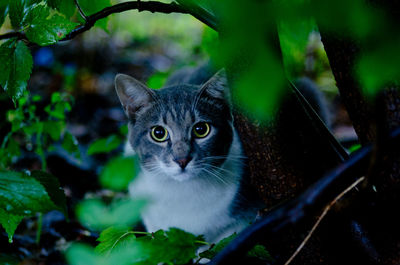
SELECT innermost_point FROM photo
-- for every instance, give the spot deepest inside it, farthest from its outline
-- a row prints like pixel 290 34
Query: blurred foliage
pixel 127 168
pixel 120 212
pixel 104 145
pixel 294 38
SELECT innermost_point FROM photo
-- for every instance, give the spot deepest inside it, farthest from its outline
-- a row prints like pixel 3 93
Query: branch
pixel 303 207
pixel 151 6
pixel 13 34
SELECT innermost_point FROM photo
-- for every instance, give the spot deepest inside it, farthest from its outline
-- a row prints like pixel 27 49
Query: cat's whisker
pixel 219 175
pixel 219 178
pixel 219 158
pixel 226 156
pixel 221 168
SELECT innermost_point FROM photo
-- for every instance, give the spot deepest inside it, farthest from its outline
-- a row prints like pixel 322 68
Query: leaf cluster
pixel 119 245
pixel 33 132
pixel 43 22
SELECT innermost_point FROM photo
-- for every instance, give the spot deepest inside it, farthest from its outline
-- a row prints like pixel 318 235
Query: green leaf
pixel 44 29
pixel 70 144
pixel 210 253
pixel 19 10
pixel 294 35
pixel 21 194
pixel 6 259
pixel 104 145
pixel 15 68
pixel 181 247
pixel 3 11
pixel 157 80
pixel 90 7
pixel 119 245
pixel 378 67
pixel 119 172
pixel 354 148
pixel 114 238
pixel 33 128
pixel 123 130
pixel 9 223
pixel 79 254
pixel 16 12
pixel 11 151
pixel 260 252
pixel 54 3
pixel 54 129
pixel 119 213
pixel 67 8
pixel 172 247
pixel 53 189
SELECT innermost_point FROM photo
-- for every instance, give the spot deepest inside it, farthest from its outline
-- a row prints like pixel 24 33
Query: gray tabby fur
pixel 208 196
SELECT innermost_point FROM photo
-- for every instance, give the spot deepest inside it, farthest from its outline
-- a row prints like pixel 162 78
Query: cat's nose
pixel 182 162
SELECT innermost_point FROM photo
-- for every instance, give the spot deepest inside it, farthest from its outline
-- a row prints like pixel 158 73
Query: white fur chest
pixel 198 206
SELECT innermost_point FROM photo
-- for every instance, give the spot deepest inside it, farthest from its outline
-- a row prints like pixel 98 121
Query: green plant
pixel 25 194
pixel 33 133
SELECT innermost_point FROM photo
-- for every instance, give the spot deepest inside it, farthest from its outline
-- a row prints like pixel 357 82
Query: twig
pixel 80 10
pixel 326 210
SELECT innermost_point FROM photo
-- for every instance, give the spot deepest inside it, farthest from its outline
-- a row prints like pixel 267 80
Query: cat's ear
pixel 217 86
pixel 133 94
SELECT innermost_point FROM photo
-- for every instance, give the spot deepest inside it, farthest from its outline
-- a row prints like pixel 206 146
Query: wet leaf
pixel 21 195
pixel 10 223
pixel 15 68
pixel 53 189
pixel 45 29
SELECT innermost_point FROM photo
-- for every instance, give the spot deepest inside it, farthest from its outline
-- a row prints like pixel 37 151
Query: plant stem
pixel 141 233
pixel 39 228
pixel 202 242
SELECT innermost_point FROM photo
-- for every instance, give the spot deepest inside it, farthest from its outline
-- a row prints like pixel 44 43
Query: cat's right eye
pixel 159 133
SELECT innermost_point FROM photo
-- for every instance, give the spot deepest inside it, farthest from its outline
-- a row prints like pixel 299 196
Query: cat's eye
pixel 159 133
pixel 201 129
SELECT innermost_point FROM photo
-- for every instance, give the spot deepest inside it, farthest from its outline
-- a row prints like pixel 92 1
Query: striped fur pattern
pixel 203 197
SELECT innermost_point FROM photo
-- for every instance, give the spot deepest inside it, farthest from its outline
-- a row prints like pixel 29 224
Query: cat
pixel 193 168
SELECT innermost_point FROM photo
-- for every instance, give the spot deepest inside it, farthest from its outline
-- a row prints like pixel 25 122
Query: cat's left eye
pixel 201 129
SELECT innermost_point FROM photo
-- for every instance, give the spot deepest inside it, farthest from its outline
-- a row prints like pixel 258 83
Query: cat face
pixel 179 132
